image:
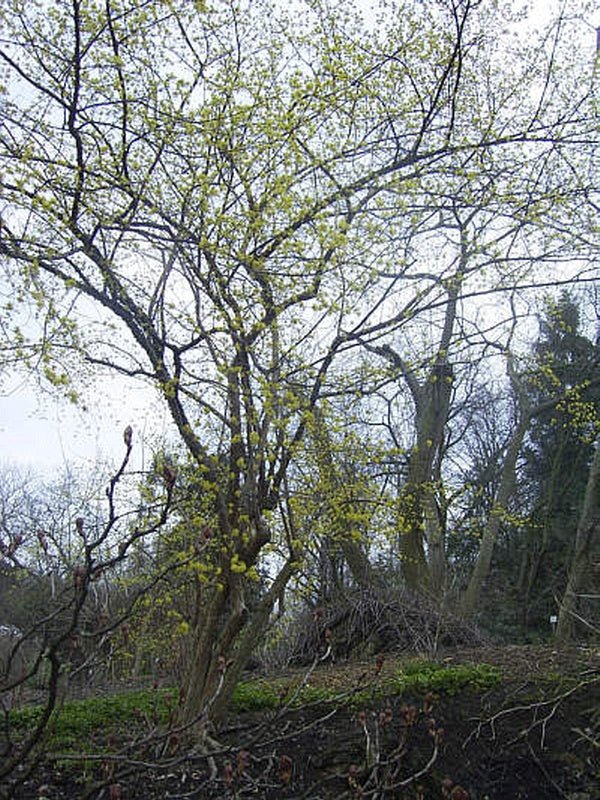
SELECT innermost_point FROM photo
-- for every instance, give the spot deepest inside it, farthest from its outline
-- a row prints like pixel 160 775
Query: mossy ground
pixel 503 736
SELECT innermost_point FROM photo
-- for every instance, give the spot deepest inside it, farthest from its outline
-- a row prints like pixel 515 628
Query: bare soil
pixel 534 736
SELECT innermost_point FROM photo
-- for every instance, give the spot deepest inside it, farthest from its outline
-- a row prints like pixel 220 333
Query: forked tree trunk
pixel 246 644
pixel 418 513
pixel 223 634
pixel 202 674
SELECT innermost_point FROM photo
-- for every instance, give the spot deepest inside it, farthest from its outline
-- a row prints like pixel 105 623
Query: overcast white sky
pixel 44 432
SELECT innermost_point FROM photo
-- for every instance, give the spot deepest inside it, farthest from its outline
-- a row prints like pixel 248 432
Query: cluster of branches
pixel 42 653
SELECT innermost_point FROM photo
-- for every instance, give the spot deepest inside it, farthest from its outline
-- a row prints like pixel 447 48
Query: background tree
pixel 583 567
pixel 489 224
pixel 559 451
pixel 515 475
pixel 69 622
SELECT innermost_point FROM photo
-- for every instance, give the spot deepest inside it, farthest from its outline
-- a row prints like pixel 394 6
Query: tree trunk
pixel 587 541
pixel 435 529
pixel 252 634
pixel 217 638
pixel 419 522
pixel 472 594
pixel 411 542
pixel 418 516
pixel 358 562
pixel 202 673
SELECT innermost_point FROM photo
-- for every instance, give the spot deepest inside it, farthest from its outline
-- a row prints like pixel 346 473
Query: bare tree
pixel 40 653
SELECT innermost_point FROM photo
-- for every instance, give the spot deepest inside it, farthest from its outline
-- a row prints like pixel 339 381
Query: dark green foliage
pixel 533 553
pixel 557 457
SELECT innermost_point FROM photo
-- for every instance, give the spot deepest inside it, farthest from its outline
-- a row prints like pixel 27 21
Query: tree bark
pixel 587 541
pixel 418 514
pixel 252 634
pixel 472 594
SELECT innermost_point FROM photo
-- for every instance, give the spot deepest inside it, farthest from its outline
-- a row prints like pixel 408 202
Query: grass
pixel 83 724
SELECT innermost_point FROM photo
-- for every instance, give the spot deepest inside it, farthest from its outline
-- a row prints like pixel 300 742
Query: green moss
pixel 427 676
pixel 254 696
pixel 79 722
pixel 416 677
pixel 263 695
